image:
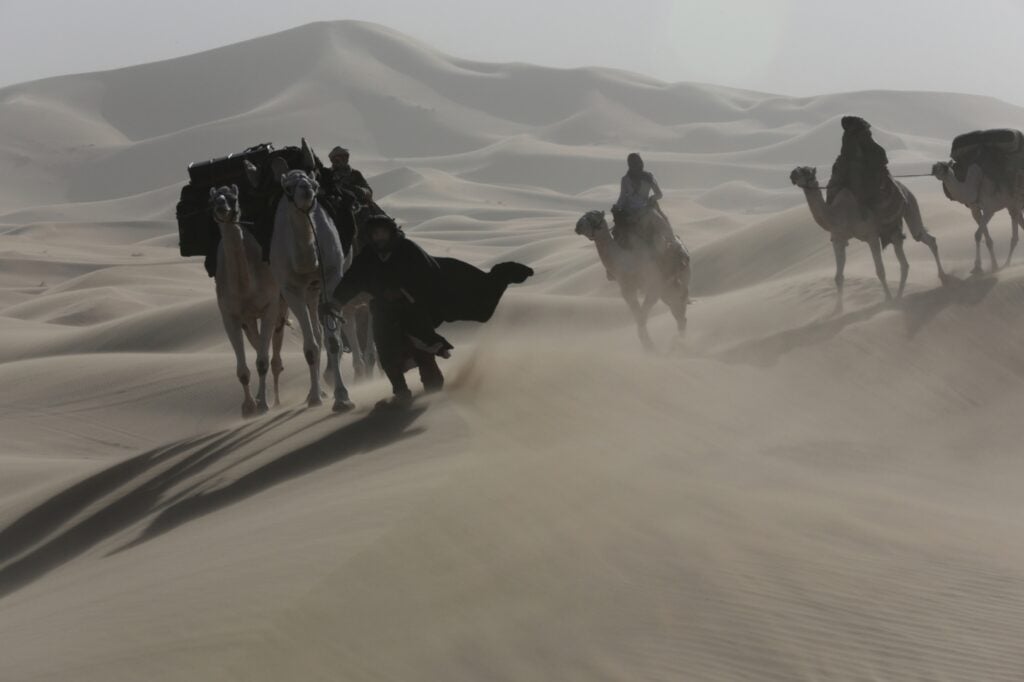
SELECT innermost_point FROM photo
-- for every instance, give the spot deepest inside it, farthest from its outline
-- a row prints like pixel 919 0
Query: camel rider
pixel 862 166
pixel 347 180
pixel 639 195
pixel 404 283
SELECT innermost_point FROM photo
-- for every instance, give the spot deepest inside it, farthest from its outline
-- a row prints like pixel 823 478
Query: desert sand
pixel 783 495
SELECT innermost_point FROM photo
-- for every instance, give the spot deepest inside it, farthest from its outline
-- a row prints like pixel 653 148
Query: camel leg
pixel 630 296
pixel 978 234
pixel 350 329
pixel 677 304
pixel 237 339
pixel 916 224
pixel 933 246
pixel 312 306
pixel 876 253
pixel 982 219
pixel 839 249
pixel 328 375
pixel 650 298
pixel 990 243
pixel 276 365
pixel 310 344
pixel 1016 217
pixel 332 341
pixel 897 246
pixel 268 327
pixel 677 299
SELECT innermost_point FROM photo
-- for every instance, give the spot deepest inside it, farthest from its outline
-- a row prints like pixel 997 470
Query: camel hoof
pixel 248 409
pixel 262 408
pixel 977 270
pixel 314 401
pixel 342 406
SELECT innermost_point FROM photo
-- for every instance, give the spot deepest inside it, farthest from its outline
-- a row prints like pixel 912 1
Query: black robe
pixel 445 289
pixel 862 167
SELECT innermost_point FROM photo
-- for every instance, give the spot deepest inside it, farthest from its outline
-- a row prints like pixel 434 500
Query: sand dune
pixel 784 494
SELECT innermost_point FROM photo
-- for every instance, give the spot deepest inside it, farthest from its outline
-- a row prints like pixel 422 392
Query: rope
pixel 894 177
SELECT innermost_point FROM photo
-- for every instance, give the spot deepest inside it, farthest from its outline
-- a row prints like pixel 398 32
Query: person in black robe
pixel 413 293
pixel 862 165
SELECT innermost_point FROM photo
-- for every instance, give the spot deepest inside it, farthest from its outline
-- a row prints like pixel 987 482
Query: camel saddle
pixel 629 229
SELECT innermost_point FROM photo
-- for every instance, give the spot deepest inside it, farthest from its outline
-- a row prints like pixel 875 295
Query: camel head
pixel 942 169
pixel 225 204
pixel 804 177
pixel 591 223
pixel 300 189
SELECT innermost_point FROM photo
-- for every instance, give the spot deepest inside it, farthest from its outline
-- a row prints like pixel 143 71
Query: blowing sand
pixel 784 495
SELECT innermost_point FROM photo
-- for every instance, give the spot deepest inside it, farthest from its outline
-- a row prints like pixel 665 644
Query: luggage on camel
pixel 999 152
pixel 230 169
pixel 253 171
pixel 197 231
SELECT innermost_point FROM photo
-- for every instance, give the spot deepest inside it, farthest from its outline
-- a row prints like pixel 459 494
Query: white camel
pixel 985 198
pixel 307 258
pixel 637 270
pixel 249 300
pixel 844 218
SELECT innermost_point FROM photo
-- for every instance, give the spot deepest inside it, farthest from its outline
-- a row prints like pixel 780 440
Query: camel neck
pixel 606 249
pixel 818 209
pixel 236 267
pixel 304 258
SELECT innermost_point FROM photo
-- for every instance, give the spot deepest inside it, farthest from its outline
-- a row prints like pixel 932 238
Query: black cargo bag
pixel 198 233
pixel 230 169
pixel 1002 140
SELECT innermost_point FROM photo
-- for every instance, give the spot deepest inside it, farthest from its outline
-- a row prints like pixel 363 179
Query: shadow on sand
pixel 27 552
pixel 918 311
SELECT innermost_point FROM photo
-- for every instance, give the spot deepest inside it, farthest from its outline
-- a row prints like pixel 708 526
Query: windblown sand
pixel 786 494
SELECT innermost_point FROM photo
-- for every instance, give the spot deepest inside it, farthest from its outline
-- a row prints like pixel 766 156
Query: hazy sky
pixel 799 47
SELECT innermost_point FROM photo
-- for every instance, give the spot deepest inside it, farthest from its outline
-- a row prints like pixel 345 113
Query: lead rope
pixel 894 177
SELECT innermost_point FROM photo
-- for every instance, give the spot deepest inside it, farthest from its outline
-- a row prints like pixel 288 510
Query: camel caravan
pixel 864 201
pixel 284 235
